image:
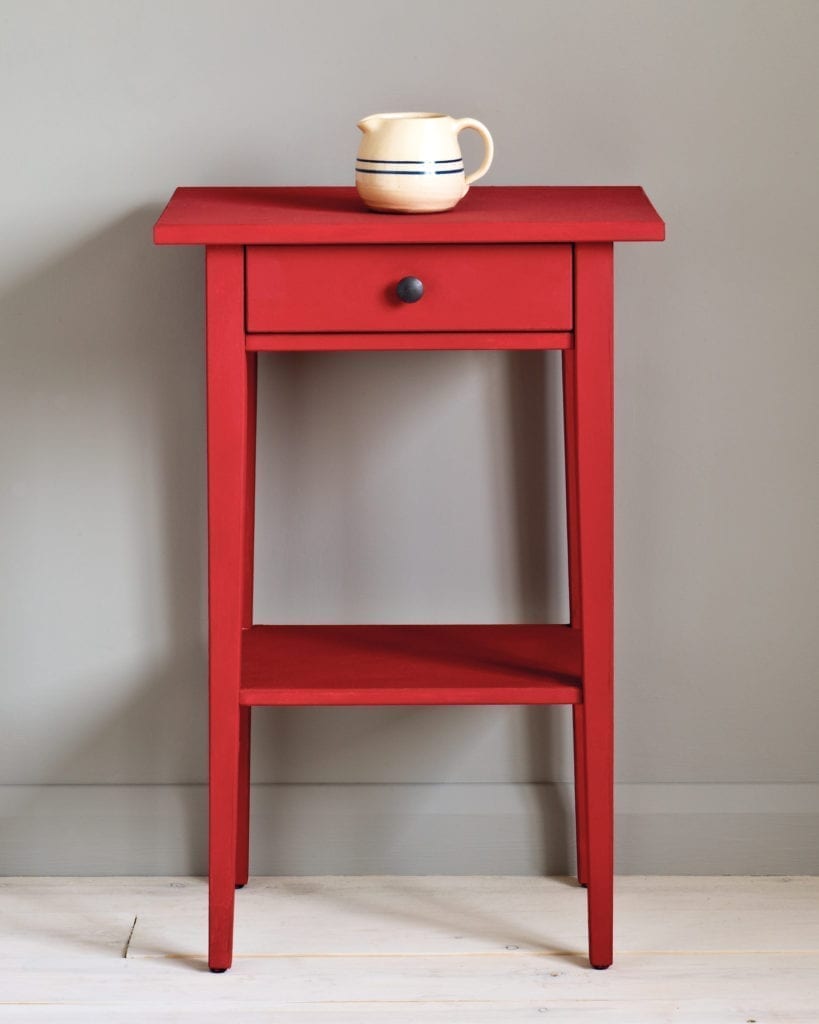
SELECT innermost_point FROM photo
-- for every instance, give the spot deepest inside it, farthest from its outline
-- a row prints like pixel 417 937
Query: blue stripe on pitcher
pixel 423 167
pixel 369 170
pixel 367 160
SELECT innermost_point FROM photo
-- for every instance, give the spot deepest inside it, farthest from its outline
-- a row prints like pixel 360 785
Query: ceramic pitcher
pixel 412 163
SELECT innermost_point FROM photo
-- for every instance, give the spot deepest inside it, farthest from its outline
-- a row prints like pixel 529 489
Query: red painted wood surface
pixel 593 404
pixel 249 536
pixel 355 665
pixel 227 411
pixel 417 341
pixel 575 607
pixel 375 665
pixel 352 288
pixel 336 216
pixel 581 805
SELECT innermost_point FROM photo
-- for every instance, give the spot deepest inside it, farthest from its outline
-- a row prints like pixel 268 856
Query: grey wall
pixel 408 486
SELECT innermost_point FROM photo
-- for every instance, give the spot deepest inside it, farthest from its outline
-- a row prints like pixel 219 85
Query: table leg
pixel 243 806
pixel 594 407
pixel 575 607
pixel 227 391
pixel 243 801
pixel 581 805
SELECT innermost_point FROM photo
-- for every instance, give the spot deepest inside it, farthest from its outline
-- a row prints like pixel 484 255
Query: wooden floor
pixel 410 950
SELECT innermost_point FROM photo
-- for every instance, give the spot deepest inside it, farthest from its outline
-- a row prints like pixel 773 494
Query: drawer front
pixel 330 288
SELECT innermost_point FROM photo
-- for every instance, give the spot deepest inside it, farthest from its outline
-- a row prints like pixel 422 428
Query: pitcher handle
pixel 483 131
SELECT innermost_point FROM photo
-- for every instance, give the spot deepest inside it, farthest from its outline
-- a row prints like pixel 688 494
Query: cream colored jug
pixel 412 163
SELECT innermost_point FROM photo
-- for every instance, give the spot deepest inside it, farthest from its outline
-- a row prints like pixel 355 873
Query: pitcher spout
pixel 369 124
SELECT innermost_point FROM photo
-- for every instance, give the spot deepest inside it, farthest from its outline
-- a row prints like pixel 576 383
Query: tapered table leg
pixel 243 801
pixel 581 805
pixel 594 407
pixel 575 606
pixel 243 797
pixel 227 395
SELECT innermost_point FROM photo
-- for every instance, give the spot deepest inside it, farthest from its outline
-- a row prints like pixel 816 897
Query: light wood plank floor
pixel 410 951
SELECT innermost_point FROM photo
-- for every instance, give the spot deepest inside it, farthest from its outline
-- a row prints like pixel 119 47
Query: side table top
pixel 312 215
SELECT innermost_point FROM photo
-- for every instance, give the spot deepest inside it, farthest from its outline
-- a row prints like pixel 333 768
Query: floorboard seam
pixel 128 940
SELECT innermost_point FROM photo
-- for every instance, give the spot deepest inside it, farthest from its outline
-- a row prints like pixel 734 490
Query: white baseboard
pixel 410 829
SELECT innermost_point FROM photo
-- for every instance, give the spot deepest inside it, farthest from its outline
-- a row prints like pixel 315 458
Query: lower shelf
pixel 300 666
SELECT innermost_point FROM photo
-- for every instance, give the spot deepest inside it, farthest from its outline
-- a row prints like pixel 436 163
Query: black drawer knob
pixel 409 289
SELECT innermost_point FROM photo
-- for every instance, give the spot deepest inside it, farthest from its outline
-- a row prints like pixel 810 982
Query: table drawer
pixel 337 288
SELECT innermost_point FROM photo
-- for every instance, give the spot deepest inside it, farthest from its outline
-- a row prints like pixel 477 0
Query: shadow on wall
pixel 103 398
pixel 103 454
pixel 538 504
pixel 363 404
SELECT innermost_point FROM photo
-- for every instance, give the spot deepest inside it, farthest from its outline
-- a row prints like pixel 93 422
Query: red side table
pixel 309 269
